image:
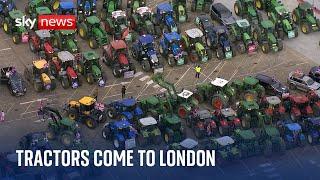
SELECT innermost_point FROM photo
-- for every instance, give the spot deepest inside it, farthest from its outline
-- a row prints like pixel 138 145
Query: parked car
pixel 13 80
pixel 222 14
pixel 272 85
pixel 301 81
pixel 314 73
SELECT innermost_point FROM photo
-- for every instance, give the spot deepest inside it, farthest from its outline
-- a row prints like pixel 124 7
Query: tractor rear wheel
pixel 168 138
pixel 16 38
pixel 280 45
pixel 83 31
pixel 238 9
pixel 295 17
pixel 220 54
pixel 171 60
pixel 305 28
pixel 90 78
pixel 73 114
pixel 182 112
pixel 90 123
pixel 93 44
pixel 146 65
pixel 217 102
pixel 67 139
pixel 265 47
pixel 106 133
pixel 311 139
pixel 65 83
pixel 111 112
pixel 6 27
pixel 116 72
pixel 259 4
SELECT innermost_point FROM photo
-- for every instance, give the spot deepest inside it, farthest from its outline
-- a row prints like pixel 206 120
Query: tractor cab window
pixel 87 108
pixel 147 46
pixel 150 127
pixel 121 20
pixel 309 81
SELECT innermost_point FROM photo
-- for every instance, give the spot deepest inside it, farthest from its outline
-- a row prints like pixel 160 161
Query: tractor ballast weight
pixel 180 10
pixel 303 15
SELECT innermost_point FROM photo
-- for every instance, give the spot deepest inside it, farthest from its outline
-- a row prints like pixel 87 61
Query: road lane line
pixel 122 83
pixel 211 72
pixel 182 76
pixel 5 49
pixel 118 94
pixel 37 100
pixel 29 112
pixel 144 78
pixel 138 74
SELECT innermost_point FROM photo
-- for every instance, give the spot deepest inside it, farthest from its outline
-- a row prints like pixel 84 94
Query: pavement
pixel 300 53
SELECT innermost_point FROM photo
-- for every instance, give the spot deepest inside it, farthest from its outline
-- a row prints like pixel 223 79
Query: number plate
pixel 128 74
pixel 130 143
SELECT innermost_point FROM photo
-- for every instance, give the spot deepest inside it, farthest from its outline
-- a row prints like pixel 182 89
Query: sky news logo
pixel 49 22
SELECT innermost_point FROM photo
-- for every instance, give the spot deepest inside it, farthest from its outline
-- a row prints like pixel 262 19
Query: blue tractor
pixel 164 20
pixel 292 135
pixel 311 127
pixel 144 52
pixel 124 109
pixel 86 8
pixel 220 42
pixel 65 7
pixel 5 7
pixel 121 133
pixel 171 49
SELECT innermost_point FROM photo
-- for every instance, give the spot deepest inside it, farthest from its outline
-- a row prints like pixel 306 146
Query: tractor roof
pixel 172 36
pixel 146 39
pixel 266 24
pixel 152 100
pixel 272 131
pixel 118 44
pixel 243 23
pixel 185 94
pixel 128 102
pixel 90 55
pixel 122 124
pixel 142 10
pixel 40 64
pixel 116 14
pixel 281 10
pixel 250 80
pixel 293 126
pixel 315 120
pixel 219 82
pixel 172 118
pixel 188 143
pixel 43 10
pixel 67 4
pixel 93 20
pixel 224 141
pixel 250 105
pixel 67 122
pixel 227 112
pixel 67 32
pixel 148 121
pixel 246 134
pixel 273 100
pixel 299 99
pixel 164 7
pixel 87 100
pixel 65 56
pixel 194 33
pixel 43 33
pixel 305 5
pixel 16 14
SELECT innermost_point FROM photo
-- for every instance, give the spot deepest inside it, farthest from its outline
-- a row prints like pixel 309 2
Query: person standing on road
pixel 2 116
pixel 198 71
pixel 123 91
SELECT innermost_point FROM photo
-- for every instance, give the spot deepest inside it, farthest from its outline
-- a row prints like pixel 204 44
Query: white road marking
pixel 138 74
pixel 118 94
pixel 144 78
pixel 29 112
pixel 212 72
pixel 149 82
pixel 182 76
pixel 5 49
pixel 163 90
pixel 122 83
pixel 156 86
pixel 37 100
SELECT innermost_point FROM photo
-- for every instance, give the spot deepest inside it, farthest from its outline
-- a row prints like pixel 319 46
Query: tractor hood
pixel 100 35
pixel 246 37
pixel 252 11
pixel 96 71
pixel 199 46
pixel 45 79
pixel 170 21
pixel 48 48
pixel 287 25
pixel 311 19
pixel 271 38
pixel 71 72
pixel 123 59
pixel 72 46
pixel 175 49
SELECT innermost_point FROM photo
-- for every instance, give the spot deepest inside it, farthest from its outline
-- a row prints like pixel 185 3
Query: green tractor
pixel 246 10
pixel 201 5
pixel 266 35
pixel 91 29
pixel 19 33
pixel 193 44
pixel 171 128
pixel 184 101
pixel 65 40
pixel 155 105
pixel 62 129
pixel 303 15
pixel 88 65
pixel 118 26
pixel 142 21
pixel 248 143
pixel 269 137
pixel 240 34
pixel 180 10
pixel 249 89
pixel 108 7
pixel 148 131
pixel 133 5
pixel 218 93
pixel 284 26
pixel 250 115
pixel 42 10
pixel 267 5
pixel 30 8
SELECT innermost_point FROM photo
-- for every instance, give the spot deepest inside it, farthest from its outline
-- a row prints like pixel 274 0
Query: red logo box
pixel 57 22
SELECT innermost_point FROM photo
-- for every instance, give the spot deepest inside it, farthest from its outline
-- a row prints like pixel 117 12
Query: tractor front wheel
pixel 111 112
pixel 146 65
pixel 311 139
pixel 265 47
pixel 93 44
pixel 305 28
pixel 237 9
pixel 220 54
pixel 168 138
pixel 67 139
pixel 6 27
pixel 90 123
pixel 73 114
pixel 106 133
pixel 16 38
pixel 83 31
pixel 258 4
pixel 171 60
pixel 90 78
pixel 65 83
pixel 116 72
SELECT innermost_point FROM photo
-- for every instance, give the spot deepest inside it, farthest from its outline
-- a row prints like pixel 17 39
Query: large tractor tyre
pixel 267 151
pixel 168 137
pixel 72 114
pixel 7 27
pixel 238 9
pixel 111 113
pixel 295 17
pixel 259 4
pixel 219 101
pixel 241 48
pixel 65 83
pixel 67 139
pixel 280 45
pixel 146 65
pixel 281 34
pixel 265 47
pixel 142 141
pixel 296 31
pixel 182 112
pixel 116 72
pixel 55 5
pixel 220 54
pixel 16 39
pixel 51 135
pixel 32 47
pixel 305 28
pixel 157 140
pixel 311 139
pixel 83 31
pixel 90 78
pixel 106 133
pixel 90 122
pixel 171 60
pixel 93 44
pixel 38 86
pixel 198 133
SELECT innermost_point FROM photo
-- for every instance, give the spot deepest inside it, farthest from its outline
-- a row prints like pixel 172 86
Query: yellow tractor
pixel 87 111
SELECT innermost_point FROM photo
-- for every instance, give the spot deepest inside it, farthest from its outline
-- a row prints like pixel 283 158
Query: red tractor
pixel 298 106
pixel 227 121
pixel 202 123
pixel 274 108
pixel 63 68
pixel 314 97
pixel 40 42
pixel 116 56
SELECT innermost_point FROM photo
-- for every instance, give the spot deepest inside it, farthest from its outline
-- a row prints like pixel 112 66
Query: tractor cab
pixel 247 138
pixel 171 121
pixel 130 105
pixel 67 61
pixel 146 42
pixel 120 19
pixel 68 40
pixel 293 130
pixel 221 36
pixel 145 13
pixel 187 144
pixel 224 144
pixel 87 105
pixel 120 51
pixel 87 7
pixel 203 115
pixel 42 10
pixel 148 124
pixel 230 115
pixel 267 27
pixel 93 22
pixel 6 6
pixel 9 26
pixel 220 84
pixel 282 13
pixel 165 15
pixel 244 26
pixel 43 41
pixel 194 36
pixel 274 107
pixel 41 71
pixel 173 41
pixel 185 96
pixel 306 9
pixel 66 7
